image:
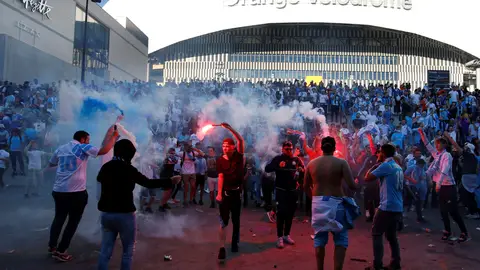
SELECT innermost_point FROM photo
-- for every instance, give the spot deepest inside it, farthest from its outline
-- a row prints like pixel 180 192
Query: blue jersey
pixel 397 139
pixel 391 186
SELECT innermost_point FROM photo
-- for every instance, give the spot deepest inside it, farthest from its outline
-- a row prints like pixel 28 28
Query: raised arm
pixel 108 141
pixel 427 144
pixel 27 148
pixel 238 137
pixel 453 142
pixel 373 149
pixel 198 151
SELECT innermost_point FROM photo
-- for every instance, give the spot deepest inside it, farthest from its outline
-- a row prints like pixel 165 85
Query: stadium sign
pixel 282 4
pixel 39 6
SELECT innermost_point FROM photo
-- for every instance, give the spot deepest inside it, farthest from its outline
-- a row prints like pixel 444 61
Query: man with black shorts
pixel 230 168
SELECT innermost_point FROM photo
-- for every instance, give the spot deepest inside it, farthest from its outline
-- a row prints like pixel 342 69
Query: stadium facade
pixel 368 41
pixel 43 39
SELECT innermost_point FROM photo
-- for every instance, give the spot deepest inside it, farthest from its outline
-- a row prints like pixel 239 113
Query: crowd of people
pixel 400 149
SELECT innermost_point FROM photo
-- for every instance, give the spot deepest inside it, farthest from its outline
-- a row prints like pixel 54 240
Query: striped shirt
pixel 443 161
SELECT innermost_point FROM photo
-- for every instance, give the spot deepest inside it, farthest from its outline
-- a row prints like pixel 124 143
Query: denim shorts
pixel 340 238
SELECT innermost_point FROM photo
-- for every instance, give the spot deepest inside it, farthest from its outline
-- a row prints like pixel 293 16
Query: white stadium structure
pixel 378 41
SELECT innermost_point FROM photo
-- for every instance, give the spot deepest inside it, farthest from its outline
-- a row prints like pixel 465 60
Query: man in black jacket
pixel 287 169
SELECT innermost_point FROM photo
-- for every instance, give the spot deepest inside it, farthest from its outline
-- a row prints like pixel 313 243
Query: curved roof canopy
pixel 170 21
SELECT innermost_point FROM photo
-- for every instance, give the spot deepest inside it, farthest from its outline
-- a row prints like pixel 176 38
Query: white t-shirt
pixel 415 98
pixel 188 163
pixel 72 159
pixel 3 154
pixel 453 96
pixel 35 159
pixel 323 99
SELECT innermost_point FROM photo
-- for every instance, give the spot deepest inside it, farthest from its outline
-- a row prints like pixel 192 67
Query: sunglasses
pixel 288 149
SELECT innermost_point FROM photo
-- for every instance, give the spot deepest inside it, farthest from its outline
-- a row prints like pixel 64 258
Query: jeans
pixel 386 222
pixel 114 224
pixel 412 196
pixel 71 205
pixel 447 197
pixel 255 186
pixel 17 156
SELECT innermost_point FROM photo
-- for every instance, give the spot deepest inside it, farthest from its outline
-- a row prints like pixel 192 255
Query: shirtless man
pixel 323 182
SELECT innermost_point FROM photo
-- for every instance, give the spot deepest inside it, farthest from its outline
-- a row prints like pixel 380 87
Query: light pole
pixel 84 51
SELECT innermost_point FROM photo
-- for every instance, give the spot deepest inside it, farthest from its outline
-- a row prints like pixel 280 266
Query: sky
pixel 166 22
pixel 103 3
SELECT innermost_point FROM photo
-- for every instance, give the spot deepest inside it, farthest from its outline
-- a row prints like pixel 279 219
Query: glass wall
pixel 98 44
pixel 324 59
pixel 327 75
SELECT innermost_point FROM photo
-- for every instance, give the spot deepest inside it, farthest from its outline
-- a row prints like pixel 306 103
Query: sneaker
pixel 280 243
pixel 52 250
pixel 176 201
pixel 446 236
pixel 148 210
pixel 164 208
pixel 473 216
pixel 200 202
pixel 194 201
pixel 62 257
pixel 272 217
pixel 171 201
pixel 288 240
pixel 421 220
pixel 222 254
pixel 463 238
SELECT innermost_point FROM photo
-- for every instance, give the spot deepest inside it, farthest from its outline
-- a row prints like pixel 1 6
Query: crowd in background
pixel 360 117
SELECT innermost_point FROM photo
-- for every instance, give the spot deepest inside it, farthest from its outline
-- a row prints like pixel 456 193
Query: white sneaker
pixel 171 201
pixel 288 240
pixel 272 217
pixel 472 216
pixel 280 243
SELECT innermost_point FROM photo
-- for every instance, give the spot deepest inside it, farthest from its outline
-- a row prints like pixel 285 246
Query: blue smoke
pixel 91 106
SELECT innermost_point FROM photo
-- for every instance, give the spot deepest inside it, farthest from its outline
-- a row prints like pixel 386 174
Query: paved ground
pixel 189 236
